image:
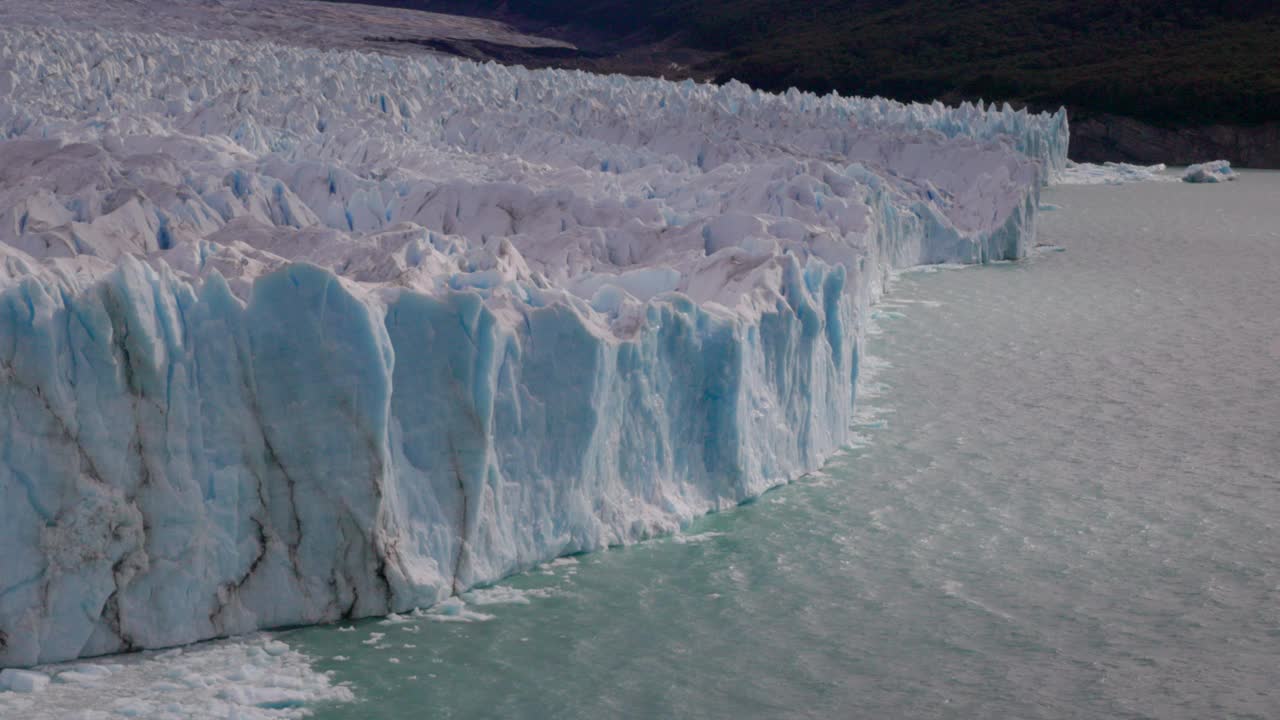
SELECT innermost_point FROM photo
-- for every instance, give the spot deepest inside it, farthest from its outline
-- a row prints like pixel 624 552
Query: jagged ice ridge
pixel 288 336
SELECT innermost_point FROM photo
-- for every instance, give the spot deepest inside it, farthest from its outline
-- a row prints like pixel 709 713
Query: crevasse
pixel 289 336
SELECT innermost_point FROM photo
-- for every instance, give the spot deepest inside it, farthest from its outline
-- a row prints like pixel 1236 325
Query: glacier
pixel 291 335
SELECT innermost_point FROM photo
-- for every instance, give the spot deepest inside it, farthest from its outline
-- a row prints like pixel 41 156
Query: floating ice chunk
pixel 1211 172
pixel 22 681
pixel 1110 173
pixel 275 648
pixel 455 610
pixel 71 676
pixel 96 671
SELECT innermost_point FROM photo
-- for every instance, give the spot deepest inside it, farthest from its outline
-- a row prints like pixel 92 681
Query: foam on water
pixel 505 595
pixel 695 537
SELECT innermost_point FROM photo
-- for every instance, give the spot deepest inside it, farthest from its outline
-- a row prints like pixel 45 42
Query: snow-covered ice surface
pixel 248 679
pixel 307 23
pixel 289 336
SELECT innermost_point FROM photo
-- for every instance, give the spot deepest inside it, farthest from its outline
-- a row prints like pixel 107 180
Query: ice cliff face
pixel 289 336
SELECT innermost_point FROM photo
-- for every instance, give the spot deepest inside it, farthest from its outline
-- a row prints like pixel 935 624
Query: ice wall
pixel 290 336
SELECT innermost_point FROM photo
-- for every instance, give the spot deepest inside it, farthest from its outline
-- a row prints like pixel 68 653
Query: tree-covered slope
pixel 1169 63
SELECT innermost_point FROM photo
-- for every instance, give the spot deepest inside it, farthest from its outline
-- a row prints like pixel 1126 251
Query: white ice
pixel 291 336
pixel 1111 173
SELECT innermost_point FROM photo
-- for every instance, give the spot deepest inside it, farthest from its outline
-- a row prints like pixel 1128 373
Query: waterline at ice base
pixel 290 336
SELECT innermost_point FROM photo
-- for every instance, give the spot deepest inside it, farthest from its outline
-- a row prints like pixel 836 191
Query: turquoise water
pixel 1063 503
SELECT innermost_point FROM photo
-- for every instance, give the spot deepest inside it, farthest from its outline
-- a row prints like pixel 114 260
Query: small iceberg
pixel 1210 172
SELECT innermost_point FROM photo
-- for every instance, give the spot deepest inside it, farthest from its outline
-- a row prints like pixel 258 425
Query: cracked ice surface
pixel 288 336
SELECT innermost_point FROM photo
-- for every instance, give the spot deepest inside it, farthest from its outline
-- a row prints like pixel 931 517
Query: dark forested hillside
pixel 1167 63
pixel 1164 62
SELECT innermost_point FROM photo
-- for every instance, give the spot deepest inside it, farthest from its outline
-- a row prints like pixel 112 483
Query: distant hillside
pixel 1168 64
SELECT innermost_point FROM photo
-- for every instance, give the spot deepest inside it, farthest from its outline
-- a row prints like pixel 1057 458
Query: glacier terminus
pixel 290 335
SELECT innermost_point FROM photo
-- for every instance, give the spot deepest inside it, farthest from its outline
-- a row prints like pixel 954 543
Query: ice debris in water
pixel 455 610
pixel 250 680
pixel 505 595
pixel 1211 172
pixel 295 336
pixel 1110 173
pixel 22 681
